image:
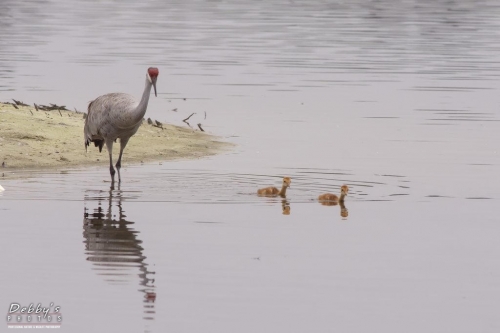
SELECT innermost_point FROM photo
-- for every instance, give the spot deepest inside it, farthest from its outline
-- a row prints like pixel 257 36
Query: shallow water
pixel 399 101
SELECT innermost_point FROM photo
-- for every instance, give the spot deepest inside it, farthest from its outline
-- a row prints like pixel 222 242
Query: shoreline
pixel 33 139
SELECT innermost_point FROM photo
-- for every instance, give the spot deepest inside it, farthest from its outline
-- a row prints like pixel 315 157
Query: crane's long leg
pixel 123 143
pixel 109 145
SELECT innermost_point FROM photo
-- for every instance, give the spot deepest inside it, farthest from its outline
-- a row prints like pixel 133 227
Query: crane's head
pixel 287 181
pixel 152 76
pixel 344 190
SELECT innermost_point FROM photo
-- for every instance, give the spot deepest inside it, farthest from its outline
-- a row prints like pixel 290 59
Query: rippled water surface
pixel 397 100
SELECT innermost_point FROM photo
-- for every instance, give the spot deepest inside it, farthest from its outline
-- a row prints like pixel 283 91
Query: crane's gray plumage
pixel 117 116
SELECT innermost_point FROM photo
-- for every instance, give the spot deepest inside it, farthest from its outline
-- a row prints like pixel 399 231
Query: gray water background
pixel 397 100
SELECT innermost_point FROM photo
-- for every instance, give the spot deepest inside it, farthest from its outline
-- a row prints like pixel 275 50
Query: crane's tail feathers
pixel 87 132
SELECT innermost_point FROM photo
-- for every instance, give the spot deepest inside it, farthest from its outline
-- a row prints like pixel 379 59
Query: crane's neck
pixel 282 193
pixel 140 111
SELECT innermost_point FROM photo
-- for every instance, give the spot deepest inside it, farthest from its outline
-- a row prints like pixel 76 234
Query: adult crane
pixel 117 116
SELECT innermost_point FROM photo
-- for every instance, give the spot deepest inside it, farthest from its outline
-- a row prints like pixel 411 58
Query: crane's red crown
pixel 153 71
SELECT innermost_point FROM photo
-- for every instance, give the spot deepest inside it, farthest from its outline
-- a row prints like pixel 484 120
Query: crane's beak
pixel 154 86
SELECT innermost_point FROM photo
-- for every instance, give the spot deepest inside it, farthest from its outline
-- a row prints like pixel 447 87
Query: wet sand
pixel 51 139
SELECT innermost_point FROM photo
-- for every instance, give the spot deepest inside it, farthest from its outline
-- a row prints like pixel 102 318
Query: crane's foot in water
pixel 118 167
pixel 112 173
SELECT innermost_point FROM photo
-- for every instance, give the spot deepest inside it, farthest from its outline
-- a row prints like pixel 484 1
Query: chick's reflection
pixel 113 245
pixel 285 205
pixel 343 209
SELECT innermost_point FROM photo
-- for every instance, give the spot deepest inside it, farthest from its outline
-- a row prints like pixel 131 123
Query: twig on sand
pixel 158 124
pixel 31 112
pixel 14 105
pixel 201 129
pixel 36 106
pixel 52 107
pixel 185 120
pixel 60 112
pixel 19 103
pixel 58 107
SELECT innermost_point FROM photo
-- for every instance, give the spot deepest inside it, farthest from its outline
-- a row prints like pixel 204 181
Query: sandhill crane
pixel 114 116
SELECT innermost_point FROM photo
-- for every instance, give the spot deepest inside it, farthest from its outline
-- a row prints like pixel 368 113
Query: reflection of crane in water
pixel 285 205
pixel 114 248
pixel 343 210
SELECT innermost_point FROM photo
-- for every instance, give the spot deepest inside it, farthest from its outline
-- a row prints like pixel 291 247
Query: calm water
pixel 397 100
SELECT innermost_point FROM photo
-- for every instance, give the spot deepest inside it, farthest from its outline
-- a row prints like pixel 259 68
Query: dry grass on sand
pixel 47 139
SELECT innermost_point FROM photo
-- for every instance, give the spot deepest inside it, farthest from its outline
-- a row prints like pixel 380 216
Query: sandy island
pixel 31 139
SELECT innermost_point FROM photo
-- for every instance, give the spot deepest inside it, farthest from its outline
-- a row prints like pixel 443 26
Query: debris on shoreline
pixel 39 136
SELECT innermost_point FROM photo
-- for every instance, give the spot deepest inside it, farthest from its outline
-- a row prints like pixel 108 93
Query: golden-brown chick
pixel 329 199
pixel 273 191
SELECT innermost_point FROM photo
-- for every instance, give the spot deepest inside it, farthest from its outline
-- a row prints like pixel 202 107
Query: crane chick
pixel 330 199
pixel 117 115
pixel 273 191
